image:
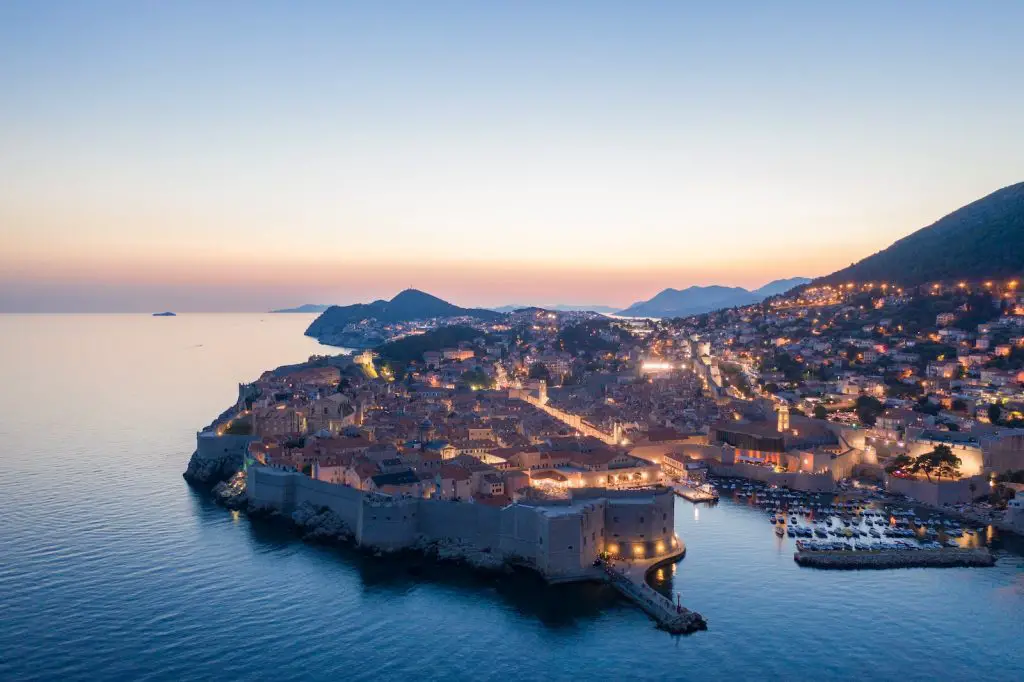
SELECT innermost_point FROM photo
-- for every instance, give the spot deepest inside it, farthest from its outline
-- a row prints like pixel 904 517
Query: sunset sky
pixel 219 156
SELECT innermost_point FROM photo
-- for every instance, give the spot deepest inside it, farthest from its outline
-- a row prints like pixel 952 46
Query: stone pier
pixel 631 581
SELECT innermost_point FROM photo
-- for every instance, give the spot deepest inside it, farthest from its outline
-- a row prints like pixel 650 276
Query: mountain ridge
pixel 695 300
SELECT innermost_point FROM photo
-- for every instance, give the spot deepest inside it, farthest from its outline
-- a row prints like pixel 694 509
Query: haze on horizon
pixel 199 156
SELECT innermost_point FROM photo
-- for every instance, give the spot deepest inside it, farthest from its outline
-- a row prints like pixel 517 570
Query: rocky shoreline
pixel 936 558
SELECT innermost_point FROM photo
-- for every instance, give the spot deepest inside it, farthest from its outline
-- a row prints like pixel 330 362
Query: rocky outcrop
pixel 212 470
pixel 320 524
pixel 463 552
pixel 231 493
pixel 928 558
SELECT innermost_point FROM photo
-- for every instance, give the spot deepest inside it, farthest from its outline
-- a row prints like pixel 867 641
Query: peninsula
pixel 366 325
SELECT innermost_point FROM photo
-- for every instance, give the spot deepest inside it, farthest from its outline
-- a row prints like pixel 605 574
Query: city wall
pixel 211 447
pixel 561 541
pixel 941 492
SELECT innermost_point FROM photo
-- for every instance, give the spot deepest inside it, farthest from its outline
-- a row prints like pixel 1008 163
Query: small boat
pixel 779 531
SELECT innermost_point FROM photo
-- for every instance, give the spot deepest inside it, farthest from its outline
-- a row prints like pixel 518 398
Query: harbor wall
pixel 806 482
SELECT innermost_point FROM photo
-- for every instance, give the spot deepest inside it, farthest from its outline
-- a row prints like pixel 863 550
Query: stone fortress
pixel 560 539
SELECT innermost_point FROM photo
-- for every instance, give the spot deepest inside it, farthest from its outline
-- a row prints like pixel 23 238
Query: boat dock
pixel 631 581
pixel 704 493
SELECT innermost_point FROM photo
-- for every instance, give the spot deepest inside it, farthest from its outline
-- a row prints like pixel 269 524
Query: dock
pixel 702 494
pixel 632 583
pixel 947 557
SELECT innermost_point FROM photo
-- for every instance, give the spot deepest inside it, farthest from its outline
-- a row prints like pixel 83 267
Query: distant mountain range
pixel 564 307
pixel 981 240
pixel 696 300
pixel 304 308
pixel 408 305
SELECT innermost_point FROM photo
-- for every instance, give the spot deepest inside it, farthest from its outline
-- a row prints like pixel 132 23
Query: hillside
pixel 695 300
pixel 408 305
pixel 411 348
pixel 983 239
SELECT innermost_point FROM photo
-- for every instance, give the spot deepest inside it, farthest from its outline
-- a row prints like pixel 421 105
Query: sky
pixel 240 156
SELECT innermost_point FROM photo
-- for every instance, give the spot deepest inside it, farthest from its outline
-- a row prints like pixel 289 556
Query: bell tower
pixel 783 424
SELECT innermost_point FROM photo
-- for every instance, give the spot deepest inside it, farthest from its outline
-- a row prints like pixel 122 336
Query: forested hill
pixel 981 240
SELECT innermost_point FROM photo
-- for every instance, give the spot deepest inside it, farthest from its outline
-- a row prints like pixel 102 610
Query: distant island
pixel 166 313
pixel 304 308
pixel 696 300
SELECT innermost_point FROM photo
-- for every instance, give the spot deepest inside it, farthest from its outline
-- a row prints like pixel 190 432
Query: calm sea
pixel 111 567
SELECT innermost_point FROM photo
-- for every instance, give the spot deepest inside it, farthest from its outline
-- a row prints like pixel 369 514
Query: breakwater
pixel 669 617
pixel 925 558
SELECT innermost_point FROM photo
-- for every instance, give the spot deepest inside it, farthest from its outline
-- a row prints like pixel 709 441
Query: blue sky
pixel 240 156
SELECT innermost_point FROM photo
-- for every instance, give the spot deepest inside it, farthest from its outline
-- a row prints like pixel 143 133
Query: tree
pixel 539 371
pixel 926 406
pixel 820 412
pixel 868 409
pixel 476 377
pixel 995 412
pixel 899 463
pixel 941 461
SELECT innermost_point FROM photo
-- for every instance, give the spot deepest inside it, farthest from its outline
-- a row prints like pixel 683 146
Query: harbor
pixel 861 527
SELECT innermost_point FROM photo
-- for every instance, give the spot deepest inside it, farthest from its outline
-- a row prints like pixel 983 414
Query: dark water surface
pixel 111 567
